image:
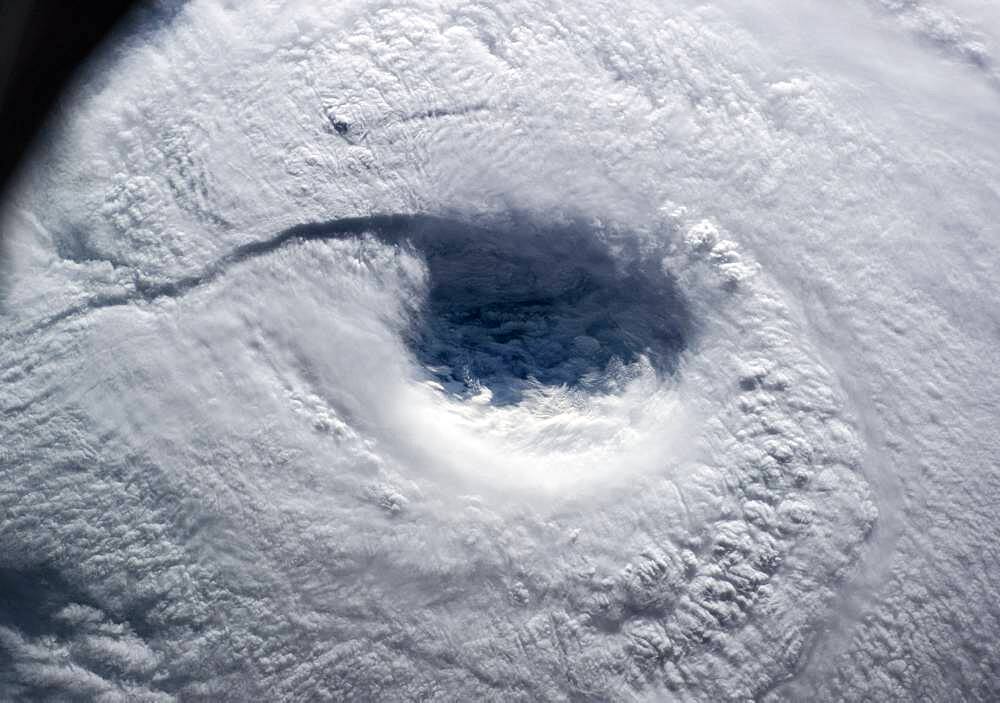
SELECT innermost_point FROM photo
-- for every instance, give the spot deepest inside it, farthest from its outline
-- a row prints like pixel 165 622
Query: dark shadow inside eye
pixel 514 305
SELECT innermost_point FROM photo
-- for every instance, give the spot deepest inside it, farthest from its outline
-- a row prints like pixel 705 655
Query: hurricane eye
pixel 509 309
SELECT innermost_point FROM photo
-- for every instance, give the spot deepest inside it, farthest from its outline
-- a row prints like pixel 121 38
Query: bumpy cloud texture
pixel 537 352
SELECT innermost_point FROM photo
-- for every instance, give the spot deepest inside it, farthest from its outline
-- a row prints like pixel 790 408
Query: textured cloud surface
pixel 546 351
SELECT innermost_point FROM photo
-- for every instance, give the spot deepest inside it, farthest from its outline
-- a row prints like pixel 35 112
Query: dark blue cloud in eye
pixel 518 304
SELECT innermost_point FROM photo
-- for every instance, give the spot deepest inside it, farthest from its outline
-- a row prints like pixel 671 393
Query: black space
pixel 42 43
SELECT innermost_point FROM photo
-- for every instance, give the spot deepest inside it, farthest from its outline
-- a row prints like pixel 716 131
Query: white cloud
pixel 250 489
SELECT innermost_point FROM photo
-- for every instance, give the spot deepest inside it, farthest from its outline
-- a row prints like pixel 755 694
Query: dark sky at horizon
pixel 42 42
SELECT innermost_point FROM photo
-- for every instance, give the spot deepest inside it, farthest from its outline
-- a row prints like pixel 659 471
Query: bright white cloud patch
pixel 669 376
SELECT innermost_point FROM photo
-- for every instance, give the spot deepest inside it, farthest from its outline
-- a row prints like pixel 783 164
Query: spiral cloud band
pixel 533 351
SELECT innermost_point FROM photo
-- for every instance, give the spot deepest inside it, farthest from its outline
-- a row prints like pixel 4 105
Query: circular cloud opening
pixel 518 306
